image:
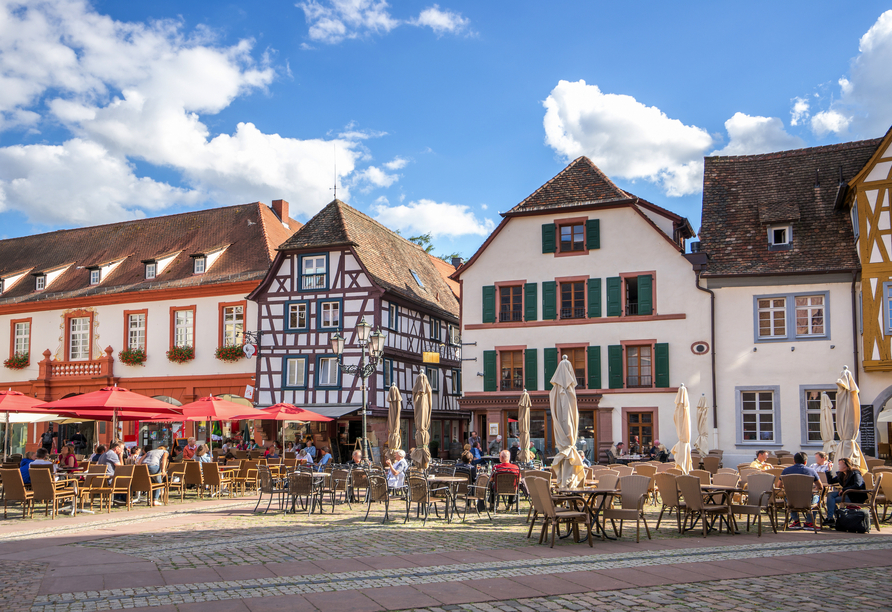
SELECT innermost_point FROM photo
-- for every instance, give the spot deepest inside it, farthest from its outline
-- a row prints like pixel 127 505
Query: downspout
pixel 855 315
pixel 715 411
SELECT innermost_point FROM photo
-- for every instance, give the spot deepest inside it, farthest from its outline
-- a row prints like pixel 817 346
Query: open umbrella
pixel 13 401
pixel 702 442
pixel 394 436
pixel 682 417
pixel 848 420
pixel 215 409
pixel 827 433
pixel 283 413
pixel 523 427
pixel 567 462
pixel 422 400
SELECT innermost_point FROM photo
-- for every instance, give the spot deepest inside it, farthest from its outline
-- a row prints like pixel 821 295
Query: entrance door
pixel 641 424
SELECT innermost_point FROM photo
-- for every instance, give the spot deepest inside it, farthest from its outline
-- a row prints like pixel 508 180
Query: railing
pixel 632 308
pixel 572 313
pixel 512 385
pixel 510 315
pixel 93 368
pixel 312 281
pixel 639 382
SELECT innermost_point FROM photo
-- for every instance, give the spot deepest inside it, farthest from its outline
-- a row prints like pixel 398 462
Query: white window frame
pixel 333 379
pixel 436 329
pixel 78 339
pixel 40 283
pixel 294 309
pixel 22 338
pixel 136 331
pixel 388 373
pixel 295 373
pixel 417 278
pixel 310 270
pixel 95 277
pixel 774 392
pixel 325 312
pixel 810 310
pixel 393 316
pixel 805 411
pixel 788 235
pixel 233 325
pixel 151 270
pixel 771 309
pixel 199 265
pixel 433 377
pixel 183 328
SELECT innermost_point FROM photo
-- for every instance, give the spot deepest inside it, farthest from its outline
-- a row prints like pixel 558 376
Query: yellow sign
pixel 430 357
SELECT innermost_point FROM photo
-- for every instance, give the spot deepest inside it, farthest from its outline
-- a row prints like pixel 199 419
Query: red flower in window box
pixel 230 353
pixel 181 354
pixel 19 361
pixel 133 357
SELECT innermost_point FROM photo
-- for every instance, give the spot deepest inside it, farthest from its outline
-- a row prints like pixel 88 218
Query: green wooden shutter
pixel 614 296
pixel 489 304
pixel 661 365
pixel 550 357
pixel 594 367
pixel 489 371
pixel 549 300
pixel 548 242
pixel 593 234
pixel 594 298
pixel 645 294
pixel 531 369
pixel 615 366
pixel 530 299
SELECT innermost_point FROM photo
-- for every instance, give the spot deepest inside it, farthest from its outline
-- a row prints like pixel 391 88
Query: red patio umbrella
pixel 13 401
pixel 215 409
pixel 288 412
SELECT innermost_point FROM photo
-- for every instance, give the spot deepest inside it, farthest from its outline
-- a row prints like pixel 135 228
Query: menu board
pixel 868 433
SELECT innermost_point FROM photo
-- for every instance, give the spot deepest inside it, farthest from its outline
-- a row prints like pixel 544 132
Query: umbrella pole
pixel 6 437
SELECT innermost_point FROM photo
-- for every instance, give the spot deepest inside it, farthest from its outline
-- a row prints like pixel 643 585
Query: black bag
pixel 853 520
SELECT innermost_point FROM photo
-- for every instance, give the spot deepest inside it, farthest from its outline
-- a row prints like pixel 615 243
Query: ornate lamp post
pixel 368 365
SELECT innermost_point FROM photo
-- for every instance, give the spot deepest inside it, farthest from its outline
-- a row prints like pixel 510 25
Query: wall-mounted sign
pixel 430 357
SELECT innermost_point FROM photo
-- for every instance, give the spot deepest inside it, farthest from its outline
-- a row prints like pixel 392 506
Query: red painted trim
pixel 653 286
pixel 77 314
pixel 571 279
pixel 598 321
pixel 220 307
pixel 173 311
pixel 655 421
pixel 12 336
pixel 516 347
pixel 576 345
pixel 558 223
pixel 512 283
pixel 127 314
pixel 653 352
pixel 504 349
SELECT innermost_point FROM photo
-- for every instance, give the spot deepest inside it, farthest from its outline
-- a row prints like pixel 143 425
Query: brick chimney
pixel 280 207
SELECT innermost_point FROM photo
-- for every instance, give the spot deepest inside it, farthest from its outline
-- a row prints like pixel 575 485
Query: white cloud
pixel 397 163
pixel 799 114
pixel 137 91
pixel 484 206
pixel 373 177
pixel 625 138
pixel 441 22
pixel 824 122
pixel 440 219
pixel 751 135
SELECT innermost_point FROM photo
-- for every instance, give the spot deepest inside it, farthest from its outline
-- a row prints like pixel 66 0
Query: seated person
pixel 849 480
pixel 202 455
pixel 229 456
pixel 356 459
pixel 272 452
pixel 515 448
pixel 396 472
pixel 156 460
pixel 634 446
pixel 465 467
pixel 504 467
pixel 43 459
pixel 190 449
pixel 326 457
pixel 305 457
pixel 25 466
pixel 759 462
pixel 311 448
pixel 67 460
pixel 822 463
pixel 476 453
pixel 799 467
pixel 100 450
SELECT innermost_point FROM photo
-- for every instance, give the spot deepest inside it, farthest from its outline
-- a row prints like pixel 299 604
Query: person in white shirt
pixel 305 456
pixel 396 473
pixel 822 463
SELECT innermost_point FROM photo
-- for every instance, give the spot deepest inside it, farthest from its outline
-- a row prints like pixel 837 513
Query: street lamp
pixel 374 341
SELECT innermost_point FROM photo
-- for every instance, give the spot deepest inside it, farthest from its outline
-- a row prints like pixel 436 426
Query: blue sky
pixel 439 115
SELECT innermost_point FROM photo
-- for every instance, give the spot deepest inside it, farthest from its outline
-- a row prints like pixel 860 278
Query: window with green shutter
pixel 594 367
pixel 614 296
pixel 530 302
pixel 531 369
pixel 489 371
pixel 645 294
pixel 549 300
pixel 548 241
pixel 661 365
pixel 593 234
pixel 550 359
pixel 489 304
pixel 615 366
pixel 594 298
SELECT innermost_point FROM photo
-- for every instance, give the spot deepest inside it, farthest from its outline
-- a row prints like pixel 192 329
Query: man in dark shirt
pixel 799 467
pixel 515 449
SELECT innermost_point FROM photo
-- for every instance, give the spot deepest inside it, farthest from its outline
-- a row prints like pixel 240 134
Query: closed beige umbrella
pixel 848 420
pixel 565 420
pixel 682 417
pixel 827 433
pixel 422 398
pixel 702 442
pixel 394 436
pixel 523 427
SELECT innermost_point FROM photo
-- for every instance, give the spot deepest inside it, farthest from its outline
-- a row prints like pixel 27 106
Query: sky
pixel 435 117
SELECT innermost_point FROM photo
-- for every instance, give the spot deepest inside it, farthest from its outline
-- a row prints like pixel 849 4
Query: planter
pixel 133 357
pixel 181 354
pixel 19 361
pixel 230 353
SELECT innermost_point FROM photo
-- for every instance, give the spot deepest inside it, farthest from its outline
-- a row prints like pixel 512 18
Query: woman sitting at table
pixel 326 457
pixel 202 455
pixel 67 460
pixel 304 457
pixel 851 482
pixel 465 467
pixel 272 452
pixel 476 454
pixel 396 473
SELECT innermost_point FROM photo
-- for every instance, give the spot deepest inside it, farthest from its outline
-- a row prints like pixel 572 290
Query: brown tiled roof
pixel 446 269
pixel 388 257
pixel 742 195
pixel 580 184
pixel 250 230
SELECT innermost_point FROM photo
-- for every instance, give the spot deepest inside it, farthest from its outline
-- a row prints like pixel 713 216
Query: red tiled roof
pixel 743 195
pixel 580 184
pixel 250 230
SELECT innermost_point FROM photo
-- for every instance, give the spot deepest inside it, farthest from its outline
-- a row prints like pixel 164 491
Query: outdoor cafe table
pixel 452 482
pixel 593 509
pixel 724 492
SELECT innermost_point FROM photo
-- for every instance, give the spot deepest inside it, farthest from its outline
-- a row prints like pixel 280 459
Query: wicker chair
pixel 215 480
pixel 378 492
pixel 711 463
pixel 704 476
pixel 303 487
pixel 668 490
pixel 95 484
pixel 194 476
pixel 727 471
pixel 506 487
pixel 339 484
pixel 14 490
pixel 665 467
pixel 247 476
pixel 359 481
pixel 635 491
pixel 270 488
pixel 798 494
pixel 759 500
pixel 540 496
pixel 875 463
pixel 176 478
pixel 144 482
pixel 122 482
pixel 696 505
pixel 726 480
pixel 420 493
pixel 477 492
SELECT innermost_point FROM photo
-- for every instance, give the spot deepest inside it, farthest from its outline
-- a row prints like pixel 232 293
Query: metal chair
pixel 302 486
pixel 505 486
pixel 378 492
pixel 477 494
pixel 269 487
pixel 420 493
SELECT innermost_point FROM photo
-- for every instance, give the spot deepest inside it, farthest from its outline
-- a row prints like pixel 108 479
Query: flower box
pixel 181 354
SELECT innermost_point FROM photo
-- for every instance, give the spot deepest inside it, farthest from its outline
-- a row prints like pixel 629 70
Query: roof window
pixel 198 266
pixel 151 270
pixel 95 277
pixel 417 279
pixel 780 237
pixel 40 282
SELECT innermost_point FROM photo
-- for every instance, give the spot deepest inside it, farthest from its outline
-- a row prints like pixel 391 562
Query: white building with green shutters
pixel 585 270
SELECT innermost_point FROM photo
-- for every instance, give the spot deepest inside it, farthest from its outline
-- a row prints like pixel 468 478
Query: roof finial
pixel 335 188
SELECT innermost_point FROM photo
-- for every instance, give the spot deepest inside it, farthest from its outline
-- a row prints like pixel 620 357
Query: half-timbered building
pixel 340 268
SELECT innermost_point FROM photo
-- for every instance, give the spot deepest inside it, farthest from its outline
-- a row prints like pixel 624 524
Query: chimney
pixel 457 261
pixel 280 207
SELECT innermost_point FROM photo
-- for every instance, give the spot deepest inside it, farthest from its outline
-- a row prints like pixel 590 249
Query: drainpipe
pixel 855 327
pixel 715 411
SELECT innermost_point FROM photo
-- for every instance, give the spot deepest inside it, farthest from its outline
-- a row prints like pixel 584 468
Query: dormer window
pixel 151 270
pixel 40 282
pixel 1 286
pixel 95 277
pixel 199 264
pixel 417 279
pixel 780 237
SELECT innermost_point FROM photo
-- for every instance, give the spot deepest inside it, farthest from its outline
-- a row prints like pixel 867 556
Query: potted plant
pixel 181 354
pixel 133 357
pixel 230 353
pixel 19 361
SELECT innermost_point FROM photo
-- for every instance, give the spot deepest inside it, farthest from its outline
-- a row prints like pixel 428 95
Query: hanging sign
pixel 250 350
pixel 249 392
pixel 430 357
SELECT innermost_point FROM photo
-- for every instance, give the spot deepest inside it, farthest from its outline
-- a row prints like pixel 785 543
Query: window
pixel 639 366
pixel 313 272
pixel 233 325
pixel 21 338
pixel 199 264
pixel 95 276
pixel 454 336
pixel 183 328
pixel 856 228
pixel 417 279
pixel 757 411
pixel 151 270
pixel 572 237
pixel 388 374
pixel 433 377
pixel 436 331
pixel 456 382
pixel 780 237
pixel 813 415
pixel 297 315
pixel 810 315
pixel 641 424
pixel 576 356
pixel 393 316
pixel 327 372
pixel 40 282
pixel 136 331
pixel 78 338
pixel 772 317
pixel 887 293
pixel 512 370
pixel 295 372
pixel 511 303
pixel 329 315
pixel 573 300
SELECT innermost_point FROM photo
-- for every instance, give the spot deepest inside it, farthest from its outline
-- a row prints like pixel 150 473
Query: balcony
pixel 572 313
pixel 515 384
pixel 639 382
pixel 309 282
pixel 510 315
pixel 91 369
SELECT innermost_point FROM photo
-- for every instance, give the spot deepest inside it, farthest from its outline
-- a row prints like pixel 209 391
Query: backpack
pixel 852 519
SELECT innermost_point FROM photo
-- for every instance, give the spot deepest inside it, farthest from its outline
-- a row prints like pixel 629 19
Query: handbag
pixel 852 519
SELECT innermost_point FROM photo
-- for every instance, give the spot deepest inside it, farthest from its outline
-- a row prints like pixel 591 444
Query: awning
pixel 332 411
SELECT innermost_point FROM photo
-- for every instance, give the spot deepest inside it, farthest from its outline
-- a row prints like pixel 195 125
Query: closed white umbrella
pixel 565 418
pixel 848 420
pixel 523 427
pixel 394 436
pixel 422 399
pixel 827 433
pixel 682 417
pixel 702 442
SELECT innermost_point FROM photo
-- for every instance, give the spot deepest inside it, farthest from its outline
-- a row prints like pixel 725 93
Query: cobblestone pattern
pixel 19 583
pixel 115 599
pixel 856 589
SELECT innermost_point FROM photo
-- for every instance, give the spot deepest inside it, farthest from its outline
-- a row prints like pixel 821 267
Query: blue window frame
pixel 330 314
pixel 328 372
pixel 388 373
pixel 758 416
pixel 433 377
pixel 313 272
pixel 456 382
pixel 297 316
pixel 294 372
pixel 435 329
pixel 789 317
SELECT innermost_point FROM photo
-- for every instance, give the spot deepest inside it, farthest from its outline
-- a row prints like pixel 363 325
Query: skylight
pixel 417 280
